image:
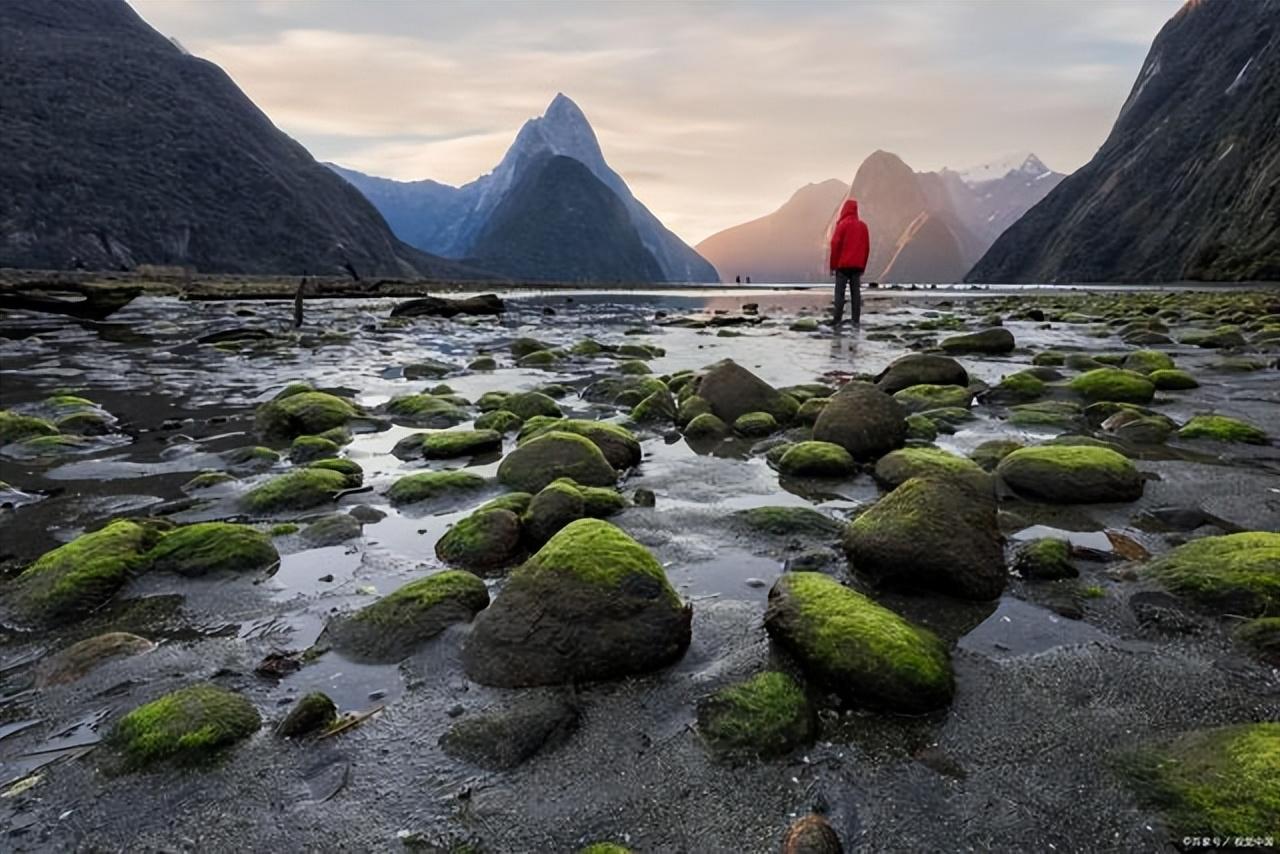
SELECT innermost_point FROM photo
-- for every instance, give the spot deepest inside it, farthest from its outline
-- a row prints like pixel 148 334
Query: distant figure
pixel 748 280
pixel 850 245
pixel 738 279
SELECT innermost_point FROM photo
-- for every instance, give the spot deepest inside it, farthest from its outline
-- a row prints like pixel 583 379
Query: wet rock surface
pixel 1053 680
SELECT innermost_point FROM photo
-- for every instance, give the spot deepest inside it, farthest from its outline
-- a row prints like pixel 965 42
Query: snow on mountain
pixel 1023 162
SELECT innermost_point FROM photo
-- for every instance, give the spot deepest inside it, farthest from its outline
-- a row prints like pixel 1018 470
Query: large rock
pixel 300 489
pixel 867 654
pixel 934 533
pixel 994 341
pixel 441 307
pixel 305 413
pixel 897 467
pixel 1235 573
pixel 213 547
pixel 921 369
pixel 1114 384
pixel 591 604
pixel 732 391
pixel 188 726
pixel 504 738
pixel 485 540
pixel 392 627
pixel 1071 474
pixel 863 420
pixel 618 444
pixel 79 659
pixel 554 455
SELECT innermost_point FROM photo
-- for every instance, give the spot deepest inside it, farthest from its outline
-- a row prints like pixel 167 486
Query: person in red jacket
pixel 850 245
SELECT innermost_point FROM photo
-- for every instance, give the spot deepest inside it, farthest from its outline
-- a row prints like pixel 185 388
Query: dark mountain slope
pixel 560 223
pixel 1187 186
pixel 119 149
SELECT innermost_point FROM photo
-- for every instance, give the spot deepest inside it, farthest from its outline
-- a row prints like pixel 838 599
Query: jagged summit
pixel 1021 163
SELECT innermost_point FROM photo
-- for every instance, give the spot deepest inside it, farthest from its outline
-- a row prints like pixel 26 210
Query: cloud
pixel 715 113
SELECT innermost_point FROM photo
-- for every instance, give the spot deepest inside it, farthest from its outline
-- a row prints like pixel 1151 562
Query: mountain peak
pixel 1021 161
pixel 562 109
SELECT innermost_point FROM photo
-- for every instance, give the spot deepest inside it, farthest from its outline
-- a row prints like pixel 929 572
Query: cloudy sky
pixel 714 112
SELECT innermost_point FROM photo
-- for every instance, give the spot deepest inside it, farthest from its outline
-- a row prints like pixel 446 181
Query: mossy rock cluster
pixel 1071 474
pixel 897 467
pixel 485 540
pixel 190 726
pixel 424 486
pixel 551 456
pixel 658 408
pixel 1222 428
pixel 1114 384
pixel 399 622
pixel 564 501
pixel 618 444
pixel 500 421
pixel 817 459
pixel 300 489
pixel 863 652
pixel 590 604
pixel 1234 573
pixel 212 547
pixel 767 715
pixel 732 391
pixel 302 412
pixel 921 398
pixel 451 444
pixel 426 410
pixel 989 453
pixel 755 425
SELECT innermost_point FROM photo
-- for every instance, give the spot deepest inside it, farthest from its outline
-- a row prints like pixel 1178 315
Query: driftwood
pixel 94 303
pixel 440 307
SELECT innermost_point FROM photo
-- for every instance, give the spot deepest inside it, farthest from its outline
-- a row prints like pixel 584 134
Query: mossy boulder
pixel 691 408
pixel 207 480
pixel 74 579
pixel 206 547
pixel 539 359
pixel 732 391
pixel 426 410
pixel 591 604
pixel 1049 358
pixel 921 369
pixel 767 715
pixel 516 502
pixel 304 413
pixel 989 453
pixel 307 448
pixel 658 408
pixel 897 467
pixel 1114 384
pixel 1060 414
pixel 1046 559
pixel 755 424
pixel 863 420
pixel 921 398
pixel 448 444
pixel 992 341
pixel 349 469
pixel 1222 428
pixel 920 428
pixel 706 426
pixel 1147 361
pixel 1234 573
pixel 96 423
pixel 300 489
pixel 522 347
pixel 554 455
pixel 313 713
pixel 817 459
pixel 530 404
pixel 14 427
pixel 1070 474
pixel 554 507
pixel 414 488
pixel 331 529
pixel 1138 428
pixel 485 540
pixel 810 410
pixel 500 421
pixel 799 522
pixel 484 363
pixel 251 458
pixel 1223 336
pixel 190 726
pixel 1016 388
pixel 618 444
pixel 79 659
pixel 1172 380
pixel 930 533
pixel 396 624
pixel 866 654
pixel 1223 781
pixel 427 369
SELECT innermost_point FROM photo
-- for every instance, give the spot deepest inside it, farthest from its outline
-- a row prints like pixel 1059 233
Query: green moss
pixel 1048 558
pixel 491 400
pixel 1147 361
pixel 804 324
pixel 554 455
pixel 587 347
pixel 897 467
pixel 755 424
pixel 1262 636
pixel 251 457
pixel 861 649
pixel 634 368
pixel 460 443
pixel 188 726
pixel 1172 380
pixel 426 408
pixel 691 408
pixel 522 347
pixel 15 427
pixel 1049 358
pixel 1222 429
pixel 419 487
pixel 1022 385
pixel 1114 384
pixel 530 404
pixel 810 410
pixel 500 420
pixel 919 398
pixel 597 501
pixel 1071 474
pixel 484 540
pixel 307 448
pixel 86 423
pixel 312 713
pixel 284 529
pixel 1221 782
pixel 605 848
pixel 213 547
pixel 1046 413
pixel 802 522
pixel 657 408
pixel 538 359
pixel 598 553
pixel 989 454
pixel 1093 591
pixel 302 413
pixel 484 363
pixel 767 715
pixel 73 579
pixel 516 502
pixel 207 479
pixel 920 428
pixel 1238 572
pixel 817 459
pixel 407 604
pixel 706 426
pixel 640 351
pixel 69 401
pixel 300 489
pixel 50 445
pixel 349 469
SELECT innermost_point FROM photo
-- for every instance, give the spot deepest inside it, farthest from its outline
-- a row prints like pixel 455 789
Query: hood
pixel 849 209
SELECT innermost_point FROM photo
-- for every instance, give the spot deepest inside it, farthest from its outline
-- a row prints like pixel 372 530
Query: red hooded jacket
pixel 850 242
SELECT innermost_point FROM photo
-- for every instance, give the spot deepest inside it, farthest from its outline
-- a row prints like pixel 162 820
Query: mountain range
pixel 119 149
pixel 455 221
pixel 1187 184
pixel 925 226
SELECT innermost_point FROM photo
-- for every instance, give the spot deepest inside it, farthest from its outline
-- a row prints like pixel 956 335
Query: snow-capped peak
pixel 1022 162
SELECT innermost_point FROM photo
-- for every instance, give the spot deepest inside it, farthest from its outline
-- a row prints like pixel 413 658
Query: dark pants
pixel 852 277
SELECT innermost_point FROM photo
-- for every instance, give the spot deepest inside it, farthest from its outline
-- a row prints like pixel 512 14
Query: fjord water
pixel 1020 759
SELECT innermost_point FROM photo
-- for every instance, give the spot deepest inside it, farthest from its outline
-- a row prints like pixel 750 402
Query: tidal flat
pixel 1073 497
